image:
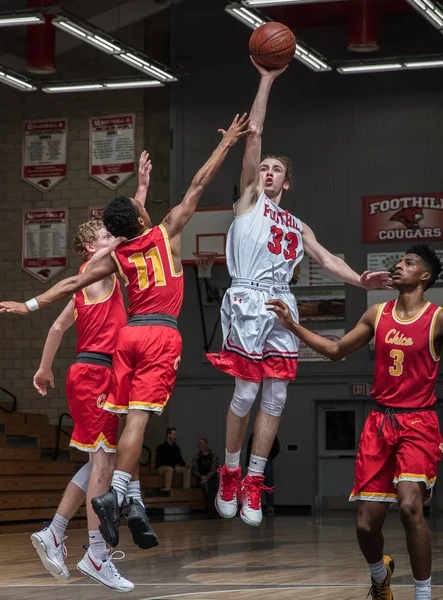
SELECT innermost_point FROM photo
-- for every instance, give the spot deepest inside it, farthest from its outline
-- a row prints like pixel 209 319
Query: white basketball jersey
pixel 264 244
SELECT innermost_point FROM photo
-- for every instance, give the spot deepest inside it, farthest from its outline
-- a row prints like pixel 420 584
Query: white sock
pixel 135 492
pixel 120 482
pixel 423 589
pixel 59 525
pixel 97 543
pixel 232 460
pixel 378 571
pixel 257 465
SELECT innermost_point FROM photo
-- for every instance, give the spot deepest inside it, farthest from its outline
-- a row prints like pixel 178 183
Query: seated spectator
pixel 204 466
pixel 169 460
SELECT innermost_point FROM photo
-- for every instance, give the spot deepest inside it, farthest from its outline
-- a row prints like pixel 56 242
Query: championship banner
pixel 320 297
pixel 402 218
pixel 111 153
pixel 307 354
pixel 95 212
pixel 44 153
pixel 45 235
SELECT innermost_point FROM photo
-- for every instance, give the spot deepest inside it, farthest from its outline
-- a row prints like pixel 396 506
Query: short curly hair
pixel 286 162
pixel 430 259
pixel 87 233
pixel 120 218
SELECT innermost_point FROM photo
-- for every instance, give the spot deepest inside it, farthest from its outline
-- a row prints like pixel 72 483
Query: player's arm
pixel 250 176
pixel 104 251
pixel 339 269
pixel 177 218
pixel 144 177
pixel 358 337
pixel 438 334
pixel 67 287
pixel 61 324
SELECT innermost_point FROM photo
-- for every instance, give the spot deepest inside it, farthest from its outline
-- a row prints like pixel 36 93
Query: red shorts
pixel 87 389
pixel 409 453
pixel 145 363
pixel 274 367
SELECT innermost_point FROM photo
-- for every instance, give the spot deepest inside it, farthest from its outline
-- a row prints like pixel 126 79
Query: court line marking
pixel 283 586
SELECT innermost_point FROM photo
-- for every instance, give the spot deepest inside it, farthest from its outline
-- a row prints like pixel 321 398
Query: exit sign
pixel 359 389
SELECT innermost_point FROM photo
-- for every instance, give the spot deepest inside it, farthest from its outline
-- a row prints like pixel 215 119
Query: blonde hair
pixel 87 233
pixel 287 163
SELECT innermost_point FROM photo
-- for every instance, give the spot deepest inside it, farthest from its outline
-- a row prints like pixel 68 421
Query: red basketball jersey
pixel 99 321
pixel 146 266
pixel 406 362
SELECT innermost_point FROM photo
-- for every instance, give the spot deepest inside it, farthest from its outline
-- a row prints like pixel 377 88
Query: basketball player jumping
pixel 264 245
pixel 99 313
pixel 148 349
pixel 401 444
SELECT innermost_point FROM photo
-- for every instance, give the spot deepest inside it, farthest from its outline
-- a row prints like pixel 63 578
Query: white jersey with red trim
pixel 265 244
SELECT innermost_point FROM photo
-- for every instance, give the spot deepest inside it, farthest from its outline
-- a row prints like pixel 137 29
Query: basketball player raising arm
pixel 264 245
pixel 174 221
pixel 401 443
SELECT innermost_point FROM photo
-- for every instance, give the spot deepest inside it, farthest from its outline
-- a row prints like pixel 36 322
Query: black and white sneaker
pixel 108 511
pixel 140 526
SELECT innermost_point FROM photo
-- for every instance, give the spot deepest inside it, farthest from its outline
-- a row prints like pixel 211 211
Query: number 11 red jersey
pixel 406 363
pixel 146 266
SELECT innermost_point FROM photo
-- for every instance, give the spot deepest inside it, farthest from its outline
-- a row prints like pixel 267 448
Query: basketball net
pixel 204 261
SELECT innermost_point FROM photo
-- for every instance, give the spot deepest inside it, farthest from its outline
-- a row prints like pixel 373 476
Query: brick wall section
pixel 22 339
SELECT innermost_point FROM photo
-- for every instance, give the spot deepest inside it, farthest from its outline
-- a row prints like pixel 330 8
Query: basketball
pixel 272 45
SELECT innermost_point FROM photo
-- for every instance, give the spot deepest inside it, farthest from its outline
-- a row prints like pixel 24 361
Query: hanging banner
pixel 111 153
pixel 44 153
pixel 44 242
pixel 95 212
pixel 320 297
pixel 307 354
pixel 402 218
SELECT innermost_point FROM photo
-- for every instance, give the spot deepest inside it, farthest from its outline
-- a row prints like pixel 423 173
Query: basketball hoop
pixel 204 261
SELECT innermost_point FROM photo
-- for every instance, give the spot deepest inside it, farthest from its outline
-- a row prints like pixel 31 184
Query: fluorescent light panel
pixel 430 11
pixel 250 18
pixel 394 66
pixel 111 46
pixel 28 19
pixel 100 86
pixel 16 81
pixel 282 2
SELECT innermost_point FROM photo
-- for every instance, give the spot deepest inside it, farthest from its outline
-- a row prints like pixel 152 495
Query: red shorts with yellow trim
pixel 145 363
pixel 88 387
pixel 409 452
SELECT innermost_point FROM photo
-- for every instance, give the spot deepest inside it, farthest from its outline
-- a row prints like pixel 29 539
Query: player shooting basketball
pixel 400 445
pixel 264 245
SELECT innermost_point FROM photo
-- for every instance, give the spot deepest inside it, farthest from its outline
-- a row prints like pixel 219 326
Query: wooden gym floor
pixel 288 558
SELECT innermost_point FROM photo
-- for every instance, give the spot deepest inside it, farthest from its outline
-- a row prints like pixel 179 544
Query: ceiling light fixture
pixel 250 18
pixel 430 11
pixel 15 80
pixel 431 63
pixel 282 2
pixel 25 19
pixel 100 86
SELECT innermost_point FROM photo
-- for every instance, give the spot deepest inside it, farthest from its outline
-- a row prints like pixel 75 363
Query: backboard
pixel 206 232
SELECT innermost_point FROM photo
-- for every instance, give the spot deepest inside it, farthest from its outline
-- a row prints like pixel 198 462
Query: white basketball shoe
pixel 226 499
pixel 104 571
pixel 52 552
pixel 251 490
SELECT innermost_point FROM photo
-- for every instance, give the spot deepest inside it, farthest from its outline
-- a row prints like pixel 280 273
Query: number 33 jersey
pixel 265 244
pixel 146 266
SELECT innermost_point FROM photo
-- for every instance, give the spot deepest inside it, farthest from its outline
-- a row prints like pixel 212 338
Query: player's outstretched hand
pixel 282 311
pixel 271 74
pixel 41 378
pixel 238 128
pixel 19 308
pixel 144 169
pixel 376 280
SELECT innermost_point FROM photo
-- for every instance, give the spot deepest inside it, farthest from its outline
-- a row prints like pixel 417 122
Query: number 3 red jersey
pixel 146 266
pixel 406 363
pixel 265 244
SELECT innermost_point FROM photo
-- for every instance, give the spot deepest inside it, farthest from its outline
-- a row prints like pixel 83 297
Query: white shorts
pixel 255 344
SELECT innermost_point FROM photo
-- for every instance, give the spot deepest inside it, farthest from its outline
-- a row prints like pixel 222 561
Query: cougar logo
pixel 101 400
pixel 409 217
